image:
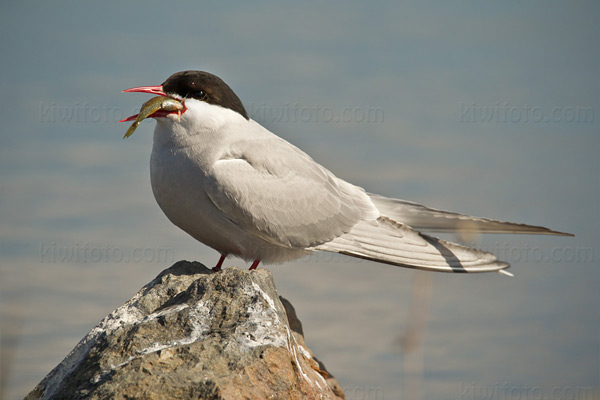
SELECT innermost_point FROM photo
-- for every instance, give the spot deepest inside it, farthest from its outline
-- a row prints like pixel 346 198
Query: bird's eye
pixel 199 94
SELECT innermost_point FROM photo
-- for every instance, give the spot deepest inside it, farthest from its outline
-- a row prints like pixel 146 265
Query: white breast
pixel 180 173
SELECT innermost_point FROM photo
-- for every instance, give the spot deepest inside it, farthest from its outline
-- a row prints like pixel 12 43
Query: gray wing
pixel 273 190
pixel 391 242
pixel 429 219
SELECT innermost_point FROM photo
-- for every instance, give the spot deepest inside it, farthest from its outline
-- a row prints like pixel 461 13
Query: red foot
pixel 217 267
pixel 254 264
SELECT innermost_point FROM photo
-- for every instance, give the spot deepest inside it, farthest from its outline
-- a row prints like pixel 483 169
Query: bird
pixel 242 190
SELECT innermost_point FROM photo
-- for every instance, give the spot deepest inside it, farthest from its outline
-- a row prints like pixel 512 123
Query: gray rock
pixel 193 333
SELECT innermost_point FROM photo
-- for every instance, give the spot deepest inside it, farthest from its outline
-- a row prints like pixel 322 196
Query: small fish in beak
pixel 159 106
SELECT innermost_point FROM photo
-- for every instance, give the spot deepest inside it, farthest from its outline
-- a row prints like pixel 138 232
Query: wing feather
pixel 275 191
pixel 391 242
pixel 424 218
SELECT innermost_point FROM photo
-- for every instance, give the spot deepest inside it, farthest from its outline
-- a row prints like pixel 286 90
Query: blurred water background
pixel 490 109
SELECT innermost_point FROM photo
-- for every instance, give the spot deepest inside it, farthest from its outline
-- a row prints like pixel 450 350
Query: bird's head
pixel 191 94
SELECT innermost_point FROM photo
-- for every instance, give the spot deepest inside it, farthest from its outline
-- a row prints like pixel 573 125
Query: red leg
pixel 255 264
pixel 217 268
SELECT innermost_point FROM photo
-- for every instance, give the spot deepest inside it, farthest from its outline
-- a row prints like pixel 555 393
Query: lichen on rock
pixel 193 333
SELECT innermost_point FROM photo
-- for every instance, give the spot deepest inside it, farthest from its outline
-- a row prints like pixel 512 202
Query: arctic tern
pixel 240 189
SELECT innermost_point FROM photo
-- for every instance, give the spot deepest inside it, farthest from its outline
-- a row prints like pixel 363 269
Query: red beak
pixel 157 90
pixel 147 89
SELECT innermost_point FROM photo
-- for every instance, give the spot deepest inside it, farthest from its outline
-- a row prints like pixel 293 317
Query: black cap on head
pixel 206 87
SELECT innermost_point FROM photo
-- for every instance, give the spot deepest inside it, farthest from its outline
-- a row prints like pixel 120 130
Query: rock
pixel 193 333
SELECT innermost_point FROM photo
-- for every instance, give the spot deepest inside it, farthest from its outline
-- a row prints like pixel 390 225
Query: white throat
pixel 201 121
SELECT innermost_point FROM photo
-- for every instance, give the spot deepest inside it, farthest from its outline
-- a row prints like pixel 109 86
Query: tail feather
pixel 391 242
pixel 423 218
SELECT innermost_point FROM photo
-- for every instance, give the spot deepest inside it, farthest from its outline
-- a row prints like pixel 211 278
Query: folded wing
pixel 423 218
pixel 391 242
pixel 274 191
